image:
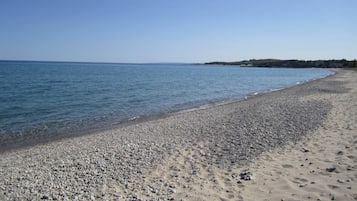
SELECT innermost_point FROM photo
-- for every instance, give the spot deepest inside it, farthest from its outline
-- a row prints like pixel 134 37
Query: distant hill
pixel 292 63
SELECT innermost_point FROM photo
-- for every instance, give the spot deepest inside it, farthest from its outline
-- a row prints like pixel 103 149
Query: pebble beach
pixel 201 154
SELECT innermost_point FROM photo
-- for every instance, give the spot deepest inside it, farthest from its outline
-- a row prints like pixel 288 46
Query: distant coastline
pixel 343 63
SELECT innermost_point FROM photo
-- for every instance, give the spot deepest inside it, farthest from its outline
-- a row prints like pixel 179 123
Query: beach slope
pixel 293 144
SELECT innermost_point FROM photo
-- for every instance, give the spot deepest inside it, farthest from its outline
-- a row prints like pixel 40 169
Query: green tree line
pixel 343 63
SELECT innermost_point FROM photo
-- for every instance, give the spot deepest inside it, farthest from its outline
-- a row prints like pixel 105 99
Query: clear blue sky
pixel 177 30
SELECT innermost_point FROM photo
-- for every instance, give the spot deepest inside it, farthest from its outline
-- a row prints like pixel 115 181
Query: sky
pixel 140 31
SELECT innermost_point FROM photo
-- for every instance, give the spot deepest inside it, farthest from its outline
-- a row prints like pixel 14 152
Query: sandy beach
pixel 294 144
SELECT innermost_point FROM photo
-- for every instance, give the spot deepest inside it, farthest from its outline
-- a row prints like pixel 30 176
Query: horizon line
pixel 138 63
pixel 94 62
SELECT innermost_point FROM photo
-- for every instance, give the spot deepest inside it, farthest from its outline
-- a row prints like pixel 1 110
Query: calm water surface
pixel 40 99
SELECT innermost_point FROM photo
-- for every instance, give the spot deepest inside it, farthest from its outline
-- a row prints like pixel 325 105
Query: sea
pixel 49 100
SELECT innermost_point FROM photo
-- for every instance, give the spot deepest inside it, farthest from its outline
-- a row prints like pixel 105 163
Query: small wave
pixel 276 89
pixel 134 118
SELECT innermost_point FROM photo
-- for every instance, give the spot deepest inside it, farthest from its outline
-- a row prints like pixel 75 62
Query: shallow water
pixel 49 98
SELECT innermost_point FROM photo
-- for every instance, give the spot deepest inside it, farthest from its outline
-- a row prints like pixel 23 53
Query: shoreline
pixel 44 139
pixel 172 157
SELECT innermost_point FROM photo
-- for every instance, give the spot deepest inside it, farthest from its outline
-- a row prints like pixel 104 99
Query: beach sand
pixel 322 166
pixel 294 144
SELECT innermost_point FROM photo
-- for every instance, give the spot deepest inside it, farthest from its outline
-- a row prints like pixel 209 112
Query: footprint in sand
pixel 301 179
pixel 333 186
pixel 351 157
pixel 287 166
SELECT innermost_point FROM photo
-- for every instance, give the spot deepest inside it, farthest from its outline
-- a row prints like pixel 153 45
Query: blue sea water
pixel 39 99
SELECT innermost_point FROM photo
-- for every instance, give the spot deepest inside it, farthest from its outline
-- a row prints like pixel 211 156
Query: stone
pixel 246 176
pixel 331 169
